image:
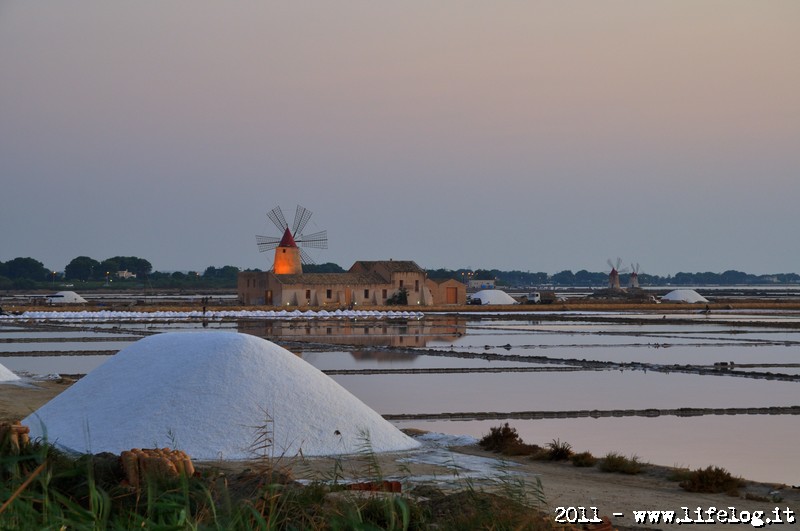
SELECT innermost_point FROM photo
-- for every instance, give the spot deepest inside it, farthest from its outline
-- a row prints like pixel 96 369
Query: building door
pixel 268 297
pixel 451 295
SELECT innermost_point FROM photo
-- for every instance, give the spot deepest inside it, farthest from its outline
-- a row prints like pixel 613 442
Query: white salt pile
pixel 684 295
pixel 6 375
pixel 65 297
pixel 206 393
pixel 494 296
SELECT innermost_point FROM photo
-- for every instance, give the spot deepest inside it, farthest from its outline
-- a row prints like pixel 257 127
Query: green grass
pixel 614 462
pixel 47 489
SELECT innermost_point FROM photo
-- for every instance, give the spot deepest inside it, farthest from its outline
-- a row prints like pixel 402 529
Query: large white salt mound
pixel 494 296
pixel 684 295
pixel 204 393
pixel 6 375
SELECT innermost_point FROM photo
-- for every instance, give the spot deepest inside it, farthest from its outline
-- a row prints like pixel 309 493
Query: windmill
pixel 613 276
pixel 288 256
pixel 633 280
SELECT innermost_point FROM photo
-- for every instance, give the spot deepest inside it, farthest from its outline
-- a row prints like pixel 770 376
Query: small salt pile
pixel 6 375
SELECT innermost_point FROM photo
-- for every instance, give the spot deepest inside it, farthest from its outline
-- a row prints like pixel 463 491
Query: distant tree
pixel 483 274
pixel 108 266
pixel 81 268
pixel 443 274
pixel 564 278
pixel 399 297
pixel 177 275
pixel 24 283
pixel 327 267
pixel 585 278
pixel 134 264
pixel 226 273
pixel 25 268
pixel 735 277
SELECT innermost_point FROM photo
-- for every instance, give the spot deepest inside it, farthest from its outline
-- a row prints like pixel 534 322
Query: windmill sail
pixel 295 236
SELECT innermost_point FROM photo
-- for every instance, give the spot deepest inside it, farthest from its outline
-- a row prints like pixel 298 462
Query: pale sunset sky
pixel 538 136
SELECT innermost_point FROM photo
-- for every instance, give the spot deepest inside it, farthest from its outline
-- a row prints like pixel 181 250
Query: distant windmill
pixel 613 276
pixel 288 256
pixel 633 280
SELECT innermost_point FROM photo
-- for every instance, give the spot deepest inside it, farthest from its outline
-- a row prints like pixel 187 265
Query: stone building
pixel 366 283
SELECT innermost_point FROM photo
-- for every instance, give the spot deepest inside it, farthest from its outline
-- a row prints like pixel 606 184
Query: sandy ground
pixel 456 468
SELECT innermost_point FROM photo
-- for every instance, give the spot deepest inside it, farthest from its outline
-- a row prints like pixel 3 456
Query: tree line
pixel 584 278
pixel 28 273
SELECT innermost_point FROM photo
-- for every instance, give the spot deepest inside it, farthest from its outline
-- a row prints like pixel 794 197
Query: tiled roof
pixel 393 266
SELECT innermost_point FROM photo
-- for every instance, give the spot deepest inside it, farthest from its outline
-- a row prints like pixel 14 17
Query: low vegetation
pixel 505 440
pixel 712 479
pixel 43 488
pixel 618 463
pixel 583 459
pixel 558 451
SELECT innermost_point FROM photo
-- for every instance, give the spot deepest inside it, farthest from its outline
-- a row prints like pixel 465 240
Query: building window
pixel 416 285
pixel 383 294
pixel 401 282
pixel 308 294
pixel 328 293
pixel 366 294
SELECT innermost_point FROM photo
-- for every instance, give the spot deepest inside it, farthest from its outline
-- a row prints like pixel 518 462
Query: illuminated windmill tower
pixel 613 276
pixel 288 256
pixel 633 280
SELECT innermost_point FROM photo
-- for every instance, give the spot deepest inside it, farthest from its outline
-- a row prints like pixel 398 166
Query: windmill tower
pixel 288 256
pixel 633 280
pixel 613 276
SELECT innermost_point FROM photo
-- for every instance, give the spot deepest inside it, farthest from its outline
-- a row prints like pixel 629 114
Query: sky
pixel 537 136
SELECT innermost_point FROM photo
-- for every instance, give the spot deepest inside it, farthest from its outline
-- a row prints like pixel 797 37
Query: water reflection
pixel 411 333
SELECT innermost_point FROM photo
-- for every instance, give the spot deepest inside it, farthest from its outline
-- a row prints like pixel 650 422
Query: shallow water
pixel 757 447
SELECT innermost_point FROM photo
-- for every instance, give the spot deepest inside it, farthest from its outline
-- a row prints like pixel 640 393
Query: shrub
pixel 506 440
pixel 614 462
pixel 584 459
pixel 500 438
pixel 712 479
pixel 558 451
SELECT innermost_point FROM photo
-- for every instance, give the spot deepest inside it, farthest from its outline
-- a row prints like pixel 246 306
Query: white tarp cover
pixel 494 296
pixel 206 393
pixel 683 295
pixel 66 297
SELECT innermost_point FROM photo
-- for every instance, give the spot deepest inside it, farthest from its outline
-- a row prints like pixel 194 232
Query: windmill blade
pixel 610 263
pixel 267 243
pixel 305 257
pixel 318 240
pixel 301 217
pixel 619 262
pixel 276 216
